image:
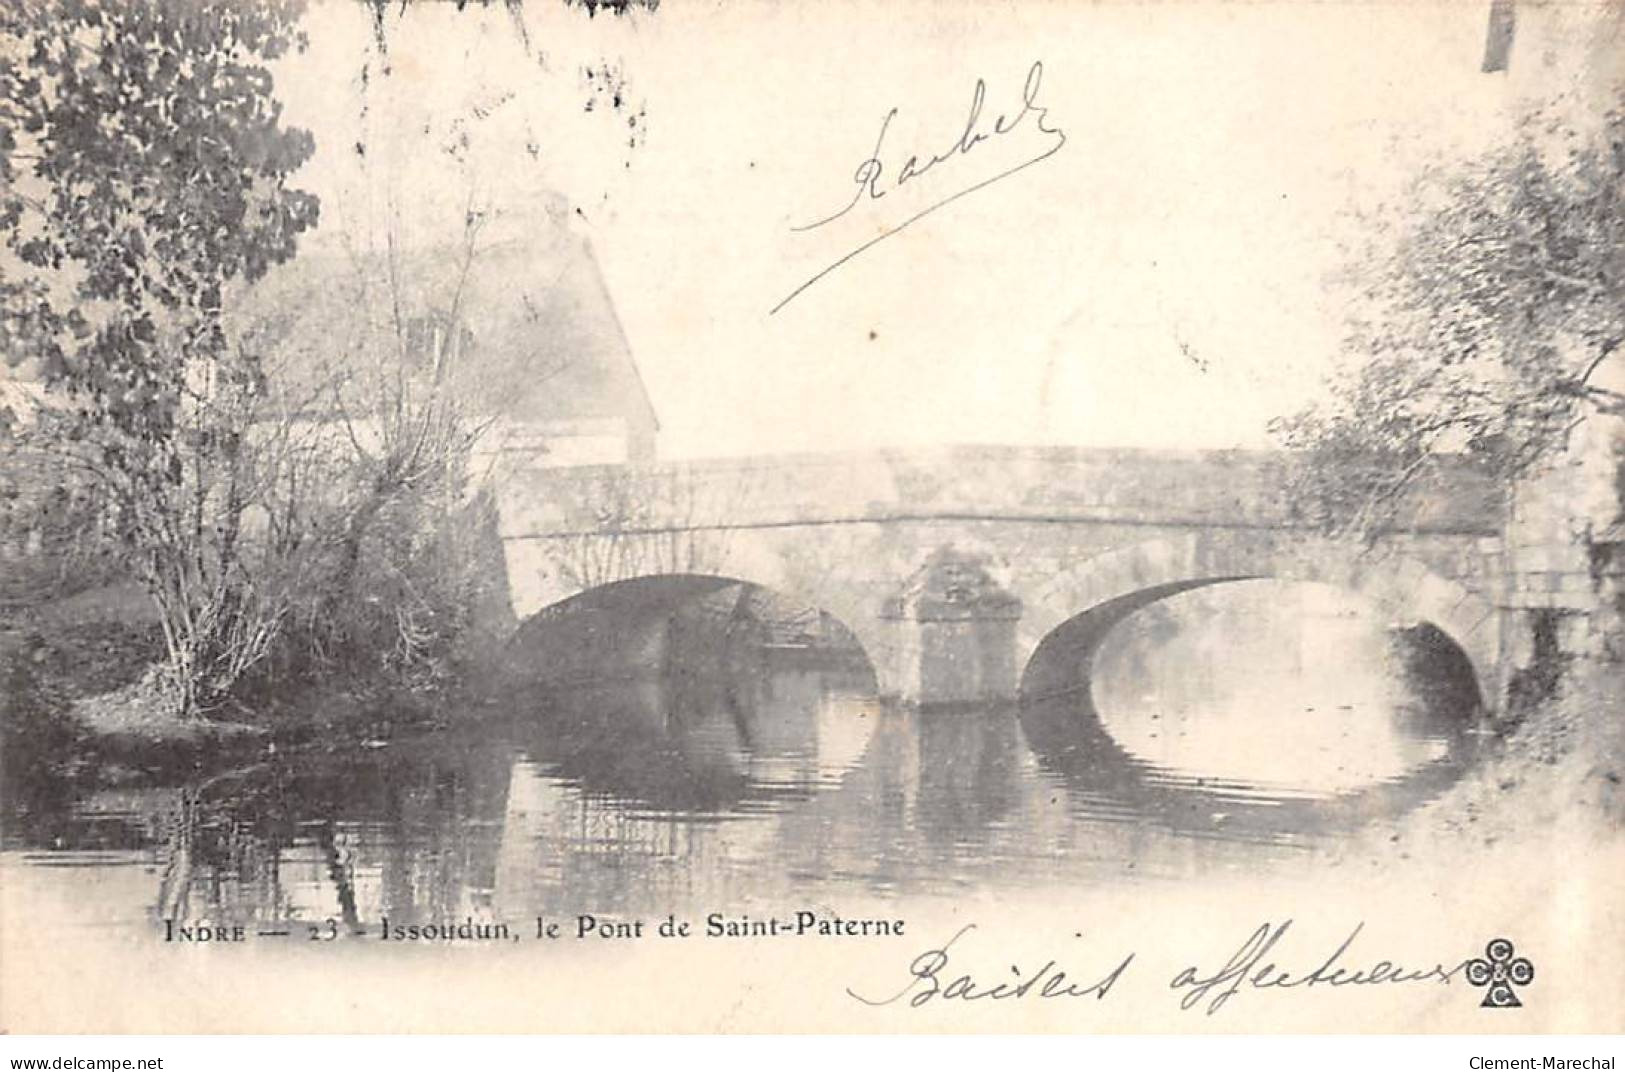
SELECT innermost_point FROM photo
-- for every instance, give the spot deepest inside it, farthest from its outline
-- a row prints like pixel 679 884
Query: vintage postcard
pixel 935 517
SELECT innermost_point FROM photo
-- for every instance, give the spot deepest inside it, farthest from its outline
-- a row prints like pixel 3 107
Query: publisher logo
pixel 1498 971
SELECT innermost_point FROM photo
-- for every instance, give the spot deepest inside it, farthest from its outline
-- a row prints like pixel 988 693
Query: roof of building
pixel 544 341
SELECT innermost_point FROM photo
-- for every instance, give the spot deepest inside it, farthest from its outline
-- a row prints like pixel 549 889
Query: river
pixel 1219 730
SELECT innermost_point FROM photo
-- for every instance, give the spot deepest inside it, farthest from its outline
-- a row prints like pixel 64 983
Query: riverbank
pixel 1557 778
pixel 79 706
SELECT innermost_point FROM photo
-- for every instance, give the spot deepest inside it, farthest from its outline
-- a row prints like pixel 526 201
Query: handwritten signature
pixel 1243 969
pixel 929 978
pixel 872 182
pixel 927 981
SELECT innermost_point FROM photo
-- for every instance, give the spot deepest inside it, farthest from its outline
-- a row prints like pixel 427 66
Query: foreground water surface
pixel 1236 746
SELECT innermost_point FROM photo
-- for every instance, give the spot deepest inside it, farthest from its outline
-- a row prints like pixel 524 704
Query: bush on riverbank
pixel 400 611
pixel 82 702
pixel 74 705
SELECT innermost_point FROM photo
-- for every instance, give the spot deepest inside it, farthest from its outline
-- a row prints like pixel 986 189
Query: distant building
pixel 527 335
pixel 587 403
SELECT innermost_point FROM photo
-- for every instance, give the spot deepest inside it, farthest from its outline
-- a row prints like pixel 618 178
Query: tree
pixel 144 170
pixel 1485 306
pixel 406 419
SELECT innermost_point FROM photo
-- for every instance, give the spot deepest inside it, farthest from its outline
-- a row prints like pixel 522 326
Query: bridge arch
pixel 547 572
pixel 1071 613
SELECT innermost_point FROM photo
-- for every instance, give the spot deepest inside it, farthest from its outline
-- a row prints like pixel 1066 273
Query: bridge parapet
pixel 1224 489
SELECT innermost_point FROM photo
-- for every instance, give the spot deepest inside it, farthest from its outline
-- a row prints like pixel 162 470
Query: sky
pixel 1163 276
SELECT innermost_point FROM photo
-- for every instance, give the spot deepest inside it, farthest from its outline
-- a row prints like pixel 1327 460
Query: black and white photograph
pixel 649 516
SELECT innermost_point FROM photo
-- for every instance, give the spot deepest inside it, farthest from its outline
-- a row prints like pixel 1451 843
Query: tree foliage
pixel 144 168
pixel 295 499
pixel 1484 306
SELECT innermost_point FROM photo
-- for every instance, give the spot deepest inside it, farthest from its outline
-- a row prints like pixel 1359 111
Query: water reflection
pixel 779 775
pixel 1259 709
pixel 703 744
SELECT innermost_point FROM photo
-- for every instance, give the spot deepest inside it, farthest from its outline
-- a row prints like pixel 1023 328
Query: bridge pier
pixel 954 634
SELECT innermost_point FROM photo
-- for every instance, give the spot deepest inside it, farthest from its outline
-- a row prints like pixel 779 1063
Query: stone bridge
pixel 975 573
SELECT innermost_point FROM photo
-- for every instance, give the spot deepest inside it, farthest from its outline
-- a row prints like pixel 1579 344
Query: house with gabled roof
pixel 522 328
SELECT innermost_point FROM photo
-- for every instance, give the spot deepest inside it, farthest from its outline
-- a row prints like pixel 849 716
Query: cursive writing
pixel 872 181
pixel 928 980
pixel 1244 969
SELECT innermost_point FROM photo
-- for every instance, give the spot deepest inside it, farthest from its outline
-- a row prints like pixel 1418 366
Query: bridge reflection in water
pixel 773 771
